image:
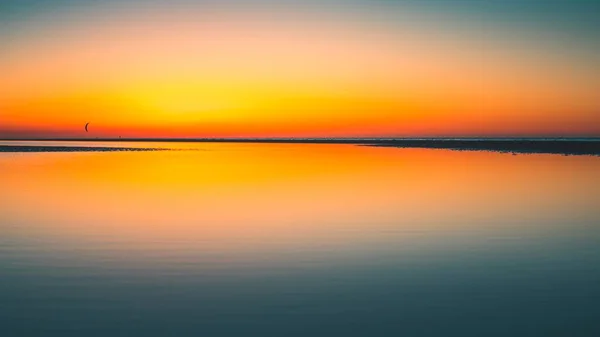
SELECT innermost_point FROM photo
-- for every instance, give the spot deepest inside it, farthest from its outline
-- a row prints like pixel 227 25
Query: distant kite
pixel 86 127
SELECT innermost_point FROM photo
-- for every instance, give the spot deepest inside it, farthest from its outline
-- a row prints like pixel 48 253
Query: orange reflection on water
pixel 237 198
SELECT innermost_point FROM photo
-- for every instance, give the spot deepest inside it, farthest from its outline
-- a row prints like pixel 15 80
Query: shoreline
pixel 564 146
pixel 42 148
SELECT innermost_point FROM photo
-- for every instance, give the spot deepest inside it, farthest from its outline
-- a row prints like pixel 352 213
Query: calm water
pixel 298 240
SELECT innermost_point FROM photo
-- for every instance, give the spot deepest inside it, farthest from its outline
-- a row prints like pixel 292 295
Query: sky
pixel 328 68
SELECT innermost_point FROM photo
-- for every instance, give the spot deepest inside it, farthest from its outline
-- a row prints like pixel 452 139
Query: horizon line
pixel 304 139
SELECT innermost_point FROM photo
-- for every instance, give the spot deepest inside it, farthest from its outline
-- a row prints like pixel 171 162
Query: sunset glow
pixel 359 68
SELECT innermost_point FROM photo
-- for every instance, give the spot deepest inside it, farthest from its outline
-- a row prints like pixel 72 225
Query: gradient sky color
pixel 299 68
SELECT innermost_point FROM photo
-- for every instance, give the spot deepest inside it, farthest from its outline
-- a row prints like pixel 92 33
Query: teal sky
pixel 582 16
pixel 570 23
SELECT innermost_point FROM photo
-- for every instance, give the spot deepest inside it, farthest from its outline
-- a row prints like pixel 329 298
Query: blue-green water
pixel 298 240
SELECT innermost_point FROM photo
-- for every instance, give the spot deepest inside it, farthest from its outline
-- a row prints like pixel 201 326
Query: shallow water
pixel 298 240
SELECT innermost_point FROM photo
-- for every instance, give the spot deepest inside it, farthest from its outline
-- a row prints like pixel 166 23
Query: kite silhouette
pixel 86 127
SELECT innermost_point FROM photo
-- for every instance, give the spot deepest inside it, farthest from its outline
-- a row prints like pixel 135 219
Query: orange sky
pixel 282 73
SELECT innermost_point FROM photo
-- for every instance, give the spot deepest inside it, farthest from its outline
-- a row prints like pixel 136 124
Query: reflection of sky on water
pixel 299 239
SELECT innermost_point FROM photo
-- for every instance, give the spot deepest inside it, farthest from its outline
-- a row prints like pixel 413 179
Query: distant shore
pixel 565 146
pixel 43 148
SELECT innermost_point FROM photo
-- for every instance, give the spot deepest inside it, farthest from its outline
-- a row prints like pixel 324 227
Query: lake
pixel 242 239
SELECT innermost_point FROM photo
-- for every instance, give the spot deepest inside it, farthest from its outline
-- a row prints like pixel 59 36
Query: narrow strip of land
pixel 30 148
pixel 590 146
pixel 565 147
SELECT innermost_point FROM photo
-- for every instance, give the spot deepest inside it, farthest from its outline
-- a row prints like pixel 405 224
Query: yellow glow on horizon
pixel 247 76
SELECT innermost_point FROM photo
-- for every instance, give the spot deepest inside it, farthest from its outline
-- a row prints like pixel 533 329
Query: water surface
pixel 298 240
